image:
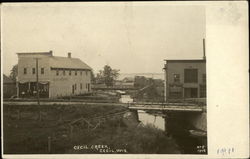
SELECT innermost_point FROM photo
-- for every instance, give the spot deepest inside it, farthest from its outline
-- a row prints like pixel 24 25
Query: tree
pixel 93 78
pixel 13 72
pixel 107 76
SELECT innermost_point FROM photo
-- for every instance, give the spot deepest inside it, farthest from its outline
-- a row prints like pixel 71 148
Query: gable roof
pixel 60 62
pixel 6 79
pixel 68 63
pixel 185 60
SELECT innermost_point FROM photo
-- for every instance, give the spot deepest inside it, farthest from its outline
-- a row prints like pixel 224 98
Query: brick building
pixel 57 76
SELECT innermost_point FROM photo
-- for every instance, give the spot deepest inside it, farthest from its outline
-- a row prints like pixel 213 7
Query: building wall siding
pixel 29 63
pixel 59 85
pixel 9 89
pixel 178 68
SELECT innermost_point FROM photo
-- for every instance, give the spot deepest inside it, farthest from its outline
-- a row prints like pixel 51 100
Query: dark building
pixel 9 87
pixel 185 78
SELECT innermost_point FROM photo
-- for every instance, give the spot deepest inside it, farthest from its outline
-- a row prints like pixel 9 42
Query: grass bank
pixel 24 133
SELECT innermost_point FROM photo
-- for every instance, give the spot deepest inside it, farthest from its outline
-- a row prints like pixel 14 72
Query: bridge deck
pixel 168 108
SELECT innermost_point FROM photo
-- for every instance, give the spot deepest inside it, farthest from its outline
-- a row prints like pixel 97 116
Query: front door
pixel 190 93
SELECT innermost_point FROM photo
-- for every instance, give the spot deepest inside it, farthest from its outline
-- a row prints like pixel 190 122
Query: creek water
pixel 187 143
pixel 157 120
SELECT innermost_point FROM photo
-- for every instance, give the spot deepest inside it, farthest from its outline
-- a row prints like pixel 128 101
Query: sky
pixel 133 37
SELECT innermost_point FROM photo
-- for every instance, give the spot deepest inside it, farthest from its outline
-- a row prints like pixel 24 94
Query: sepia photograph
pixel 104 78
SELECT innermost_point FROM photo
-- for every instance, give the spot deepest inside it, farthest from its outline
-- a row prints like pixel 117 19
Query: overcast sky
pixel 132 37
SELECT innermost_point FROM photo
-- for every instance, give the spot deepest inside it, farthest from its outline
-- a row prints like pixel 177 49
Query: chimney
pixel 69 54
pixel 50 52
pixel 204 50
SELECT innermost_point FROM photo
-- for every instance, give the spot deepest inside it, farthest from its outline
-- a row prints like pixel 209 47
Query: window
pixel 86 73
pixel 33 70
pixel 190 75
pixel 80 86
pixel 75 86
pixel 203 92
pixel 57 72
pixel 81 73
pixel 175 92
pixel 64 72
pixel 42 70
pixel 204 78
pixel 176 78
pixel 76 73
pixel 25 71
pixel 70 73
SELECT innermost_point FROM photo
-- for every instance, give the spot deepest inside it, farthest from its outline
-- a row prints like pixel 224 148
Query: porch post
pixel 49 85
pixel 183 92
pixel 17 86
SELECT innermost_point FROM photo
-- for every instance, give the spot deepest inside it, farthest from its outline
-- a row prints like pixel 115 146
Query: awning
pixel 40 82
pixel 175 89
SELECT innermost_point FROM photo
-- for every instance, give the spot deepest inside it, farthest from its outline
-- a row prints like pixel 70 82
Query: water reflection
pixel 177 126
pixel 157 120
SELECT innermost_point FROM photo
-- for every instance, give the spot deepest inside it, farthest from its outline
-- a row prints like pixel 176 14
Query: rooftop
pixel 35 53
pixel 185 60
pixel 65 62
pixel 61 62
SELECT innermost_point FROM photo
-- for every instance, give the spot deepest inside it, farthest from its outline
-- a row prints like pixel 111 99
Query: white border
pixel 227 81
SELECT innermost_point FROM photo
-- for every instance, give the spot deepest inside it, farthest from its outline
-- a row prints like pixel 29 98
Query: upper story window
pixel 190 75
pixel 70 73
pixel 57 72
pixel 64 72
pixel 33 70
pixel 81 73
pixel 25 71
pixel 80 85
pixel 204 78
pixel 176 77
pixel 42 70
pixel 76 73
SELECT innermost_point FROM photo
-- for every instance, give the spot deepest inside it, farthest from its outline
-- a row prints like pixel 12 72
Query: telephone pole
pixel 37 85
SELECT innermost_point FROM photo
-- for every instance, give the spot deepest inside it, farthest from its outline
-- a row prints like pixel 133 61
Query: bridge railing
pixel 163 106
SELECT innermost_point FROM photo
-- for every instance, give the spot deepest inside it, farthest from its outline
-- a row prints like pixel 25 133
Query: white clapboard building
pixel 57 76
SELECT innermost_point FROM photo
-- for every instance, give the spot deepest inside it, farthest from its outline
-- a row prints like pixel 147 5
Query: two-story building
pixel 185 78
pixel 56 76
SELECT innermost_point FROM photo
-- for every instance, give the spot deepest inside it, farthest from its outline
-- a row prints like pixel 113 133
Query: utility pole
pixel 204 50
pixel 37 85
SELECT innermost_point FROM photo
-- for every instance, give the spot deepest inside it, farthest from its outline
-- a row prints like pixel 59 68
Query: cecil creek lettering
pixel 99 148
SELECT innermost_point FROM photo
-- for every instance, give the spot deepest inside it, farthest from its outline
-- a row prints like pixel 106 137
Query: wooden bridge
pixel 180 107
pixel 183 107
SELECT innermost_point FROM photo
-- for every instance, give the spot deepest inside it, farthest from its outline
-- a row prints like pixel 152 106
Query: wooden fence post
pixel 71 131
pixel 60 117
pixel 8 113
pixel 40 115
pixel 119 124
pixel 49 144
pixel 18 114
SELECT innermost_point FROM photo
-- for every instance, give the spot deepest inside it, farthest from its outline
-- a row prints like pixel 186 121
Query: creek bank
pixel 25 134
